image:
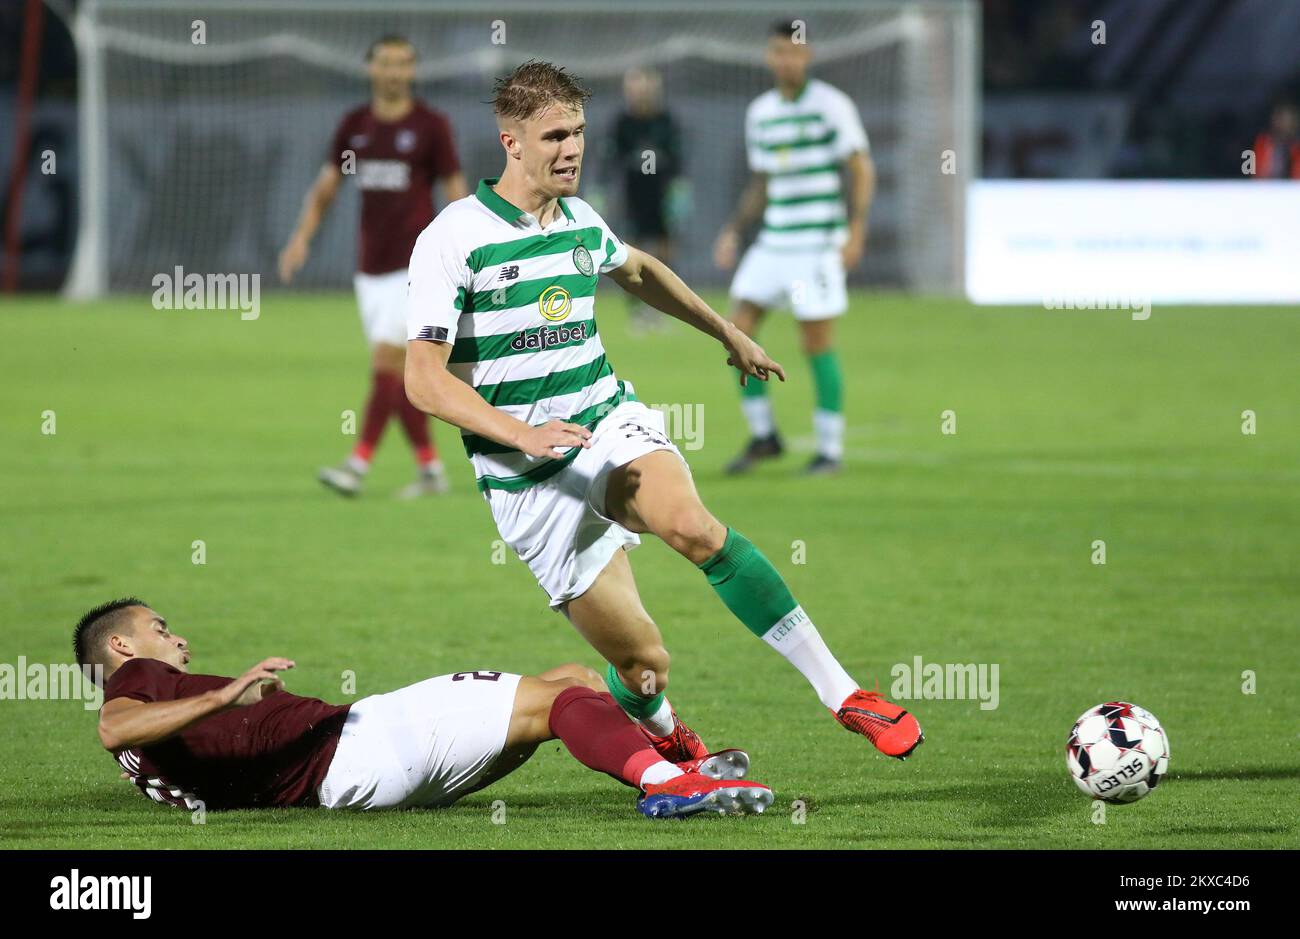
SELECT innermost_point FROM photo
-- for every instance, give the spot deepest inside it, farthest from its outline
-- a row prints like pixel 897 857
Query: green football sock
pixel 753 590
pixel 828 415
pixel 828 381
pixel 748 584
pixel 636 706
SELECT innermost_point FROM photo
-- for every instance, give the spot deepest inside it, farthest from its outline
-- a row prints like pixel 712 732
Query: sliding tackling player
pixel 245 742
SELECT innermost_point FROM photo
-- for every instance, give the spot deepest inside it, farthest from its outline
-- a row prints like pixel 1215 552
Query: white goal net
pixel 203 123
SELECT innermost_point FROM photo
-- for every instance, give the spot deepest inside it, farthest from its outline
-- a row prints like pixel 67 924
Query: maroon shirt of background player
pixel 396 165
pixel 275 752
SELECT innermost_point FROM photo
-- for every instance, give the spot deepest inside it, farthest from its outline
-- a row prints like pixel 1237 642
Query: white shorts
pixel 810 283
pixel 558 527
pixel 382 300
pixel 423 745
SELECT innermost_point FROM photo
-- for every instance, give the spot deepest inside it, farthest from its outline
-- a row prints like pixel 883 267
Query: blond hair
pixel 533 87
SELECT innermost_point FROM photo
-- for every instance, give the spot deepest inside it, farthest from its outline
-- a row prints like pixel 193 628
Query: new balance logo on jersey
pixel 510 273
pixel 433 334
pixel 549 336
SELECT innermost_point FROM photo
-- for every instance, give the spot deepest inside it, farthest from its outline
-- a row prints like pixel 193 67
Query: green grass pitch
pixel 974 547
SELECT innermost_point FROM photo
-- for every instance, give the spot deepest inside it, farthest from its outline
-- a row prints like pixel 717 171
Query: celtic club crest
pixel 582 261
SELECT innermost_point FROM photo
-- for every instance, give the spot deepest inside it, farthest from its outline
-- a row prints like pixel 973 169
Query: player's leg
pixel 381 299
pixel 755 399
pixel 388 335
pixel 817 339
pixel 747 316
pixel 431 478
pixel 654 493
pixel 387 385
pixel 387 391
pixel 821 299
pixel 532 722
pixel 528 718
pixel 610 616
pixel 599 735
pixel 570 703
pixel 388 359
pixel 577 553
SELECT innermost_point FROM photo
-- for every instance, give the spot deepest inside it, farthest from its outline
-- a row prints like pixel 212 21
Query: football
pixel 1117 752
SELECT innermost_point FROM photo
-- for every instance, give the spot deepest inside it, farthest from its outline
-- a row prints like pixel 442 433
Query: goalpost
pixel 202 124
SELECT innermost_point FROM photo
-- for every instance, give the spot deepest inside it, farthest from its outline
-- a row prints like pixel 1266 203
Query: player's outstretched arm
pixel 653 282
pixel 434 390
pixel 319 198
pixel 125 722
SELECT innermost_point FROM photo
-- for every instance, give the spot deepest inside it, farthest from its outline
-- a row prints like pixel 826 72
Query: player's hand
pixel 726 248
pixel 748 357
pixel 547 439
pixel 257 683
pixel 853 249
pixel 292 258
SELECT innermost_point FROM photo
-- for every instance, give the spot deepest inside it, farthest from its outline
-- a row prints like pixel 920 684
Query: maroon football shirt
pixel 396 164
pixel 275 752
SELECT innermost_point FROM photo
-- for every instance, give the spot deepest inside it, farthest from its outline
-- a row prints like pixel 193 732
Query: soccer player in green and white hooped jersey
pixel 798 136
pixel 504 345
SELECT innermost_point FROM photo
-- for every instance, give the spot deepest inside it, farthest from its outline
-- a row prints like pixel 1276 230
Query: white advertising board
pixel 1115 243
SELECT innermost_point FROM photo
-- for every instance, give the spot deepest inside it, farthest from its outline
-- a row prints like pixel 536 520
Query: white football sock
pixel 796 638
pixel 658 773
pixel 358 465
pixel 829 428
pixel 660 723
pixel 758 411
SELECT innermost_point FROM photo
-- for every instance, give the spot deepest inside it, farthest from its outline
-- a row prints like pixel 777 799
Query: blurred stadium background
pixel 170 152
pixel 199 154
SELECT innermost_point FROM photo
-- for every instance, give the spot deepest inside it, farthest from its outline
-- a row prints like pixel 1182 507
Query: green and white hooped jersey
pixel 800 145
pixel 518 304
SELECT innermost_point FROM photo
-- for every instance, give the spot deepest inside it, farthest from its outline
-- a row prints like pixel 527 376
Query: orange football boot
pixel 892 730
